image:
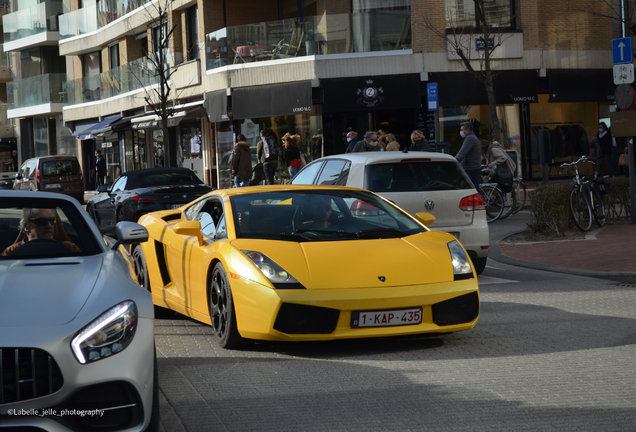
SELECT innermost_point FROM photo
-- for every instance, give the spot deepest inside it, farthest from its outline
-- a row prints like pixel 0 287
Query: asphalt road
pixel 550 352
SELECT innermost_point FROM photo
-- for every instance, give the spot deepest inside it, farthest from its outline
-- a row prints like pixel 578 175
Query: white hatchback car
pixel 417 182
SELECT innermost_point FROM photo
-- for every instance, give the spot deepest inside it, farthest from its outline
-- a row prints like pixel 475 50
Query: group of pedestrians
pixel 268 155
pixel 385 141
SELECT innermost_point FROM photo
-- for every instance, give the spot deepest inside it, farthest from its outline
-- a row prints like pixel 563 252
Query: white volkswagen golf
pixel 417 182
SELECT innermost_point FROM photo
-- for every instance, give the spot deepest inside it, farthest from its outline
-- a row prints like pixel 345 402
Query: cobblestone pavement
pixel 550 352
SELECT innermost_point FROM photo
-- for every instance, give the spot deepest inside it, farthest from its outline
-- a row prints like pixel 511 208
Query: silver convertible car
pixel 76 331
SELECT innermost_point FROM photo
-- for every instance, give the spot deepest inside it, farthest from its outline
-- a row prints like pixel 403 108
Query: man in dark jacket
pixel 270 162
pixel 352 139
pixel 469 155
pixel 242 162
pixel 100 169
pixel 369 143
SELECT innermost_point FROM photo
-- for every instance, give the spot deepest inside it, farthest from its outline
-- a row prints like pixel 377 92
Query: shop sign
pixel 370 95
pixel 480 44
pixel 107 144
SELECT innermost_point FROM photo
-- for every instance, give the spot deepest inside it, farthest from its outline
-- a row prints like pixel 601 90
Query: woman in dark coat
pixel 292 154
pixel 242 162
pixel 606 150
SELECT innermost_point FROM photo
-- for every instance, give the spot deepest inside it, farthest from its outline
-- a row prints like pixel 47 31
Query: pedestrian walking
pixel 100 169
pixel 267 153
pixel 292 154
pixel 469 155
pixel 242 162
pixel 606 149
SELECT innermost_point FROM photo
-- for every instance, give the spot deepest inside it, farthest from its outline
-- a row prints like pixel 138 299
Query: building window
pixel 462 14
pixel 113 57
pixel 193 33
pixel 370 5
pixel 159 43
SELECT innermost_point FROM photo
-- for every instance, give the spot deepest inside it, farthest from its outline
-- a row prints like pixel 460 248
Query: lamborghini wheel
pixel 222 310
pixel 141 271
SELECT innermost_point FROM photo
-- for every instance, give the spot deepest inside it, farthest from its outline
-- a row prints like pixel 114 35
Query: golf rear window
pixel 416 176
pixel 56 168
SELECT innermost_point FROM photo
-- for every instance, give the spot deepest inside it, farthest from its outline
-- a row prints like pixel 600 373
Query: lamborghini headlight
pixel 461 264
pixel 107 335
pixel 272 271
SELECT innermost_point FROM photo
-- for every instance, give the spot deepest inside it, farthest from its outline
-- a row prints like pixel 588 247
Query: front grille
pixel 458 310
pixel 303 319
pixel 27 373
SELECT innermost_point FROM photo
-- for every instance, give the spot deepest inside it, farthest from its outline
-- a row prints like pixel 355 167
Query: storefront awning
pixel 216 106
pixel 91 131
pixel 463 88
pixel 581 85
pixel 366 93
pixel 153 121
pixel 272 100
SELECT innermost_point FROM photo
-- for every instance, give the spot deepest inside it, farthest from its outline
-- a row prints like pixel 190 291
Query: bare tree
pixel 473 37
pixel 159 96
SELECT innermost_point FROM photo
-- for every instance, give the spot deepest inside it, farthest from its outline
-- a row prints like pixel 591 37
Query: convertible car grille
pixel 458 310
pixel 27 373
pixel 303 319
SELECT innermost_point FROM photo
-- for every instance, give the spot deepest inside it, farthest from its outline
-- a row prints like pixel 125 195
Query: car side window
pixel 31 170
pixel 221 231
pixel 211 218
pixel 119 185
pixel 308 174
pixel 331 172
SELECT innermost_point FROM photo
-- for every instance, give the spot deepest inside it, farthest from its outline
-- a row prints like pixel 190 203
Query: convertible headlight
pixel 107 335
pixel 461 264
pixel 272 271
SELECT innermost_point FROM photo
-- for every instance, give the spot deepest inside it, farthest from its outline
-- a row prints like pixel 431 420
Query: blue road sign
pixel 622 50
pixel 432 96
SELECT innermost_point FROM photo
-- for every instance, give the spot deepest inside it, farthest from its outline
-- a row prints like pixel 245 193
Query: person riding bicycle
pixel 497 158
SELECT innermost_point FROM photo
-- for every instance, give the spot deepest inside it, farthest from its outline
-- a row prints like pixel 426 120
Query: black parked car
pixel 6 180
pixel 138 192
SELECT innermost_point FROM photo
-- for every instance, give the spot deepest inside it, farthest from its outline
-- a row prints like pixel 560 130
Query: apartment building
pixel 320 68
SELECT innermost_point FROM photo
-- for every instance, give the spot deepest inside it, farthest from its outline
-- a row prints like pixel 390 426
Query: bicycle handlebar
pixel 582 159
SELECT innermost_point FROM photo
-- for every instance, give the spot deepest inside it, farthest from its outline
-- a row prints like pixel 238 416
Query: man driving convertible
pixel 41 224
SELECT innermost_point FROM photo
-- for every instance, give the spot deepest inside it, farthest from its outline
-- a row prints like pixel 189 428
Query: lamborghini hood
pixel 414 260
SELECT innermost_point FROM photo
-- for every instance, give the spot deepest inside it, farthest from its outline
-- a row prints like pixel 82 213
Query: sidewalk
pixel 608 252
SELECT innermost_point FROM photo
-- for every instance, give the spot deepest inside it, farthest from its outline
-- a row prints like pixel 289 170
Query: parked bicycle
pixel 521 195
pixel 499 204
pixel 585 201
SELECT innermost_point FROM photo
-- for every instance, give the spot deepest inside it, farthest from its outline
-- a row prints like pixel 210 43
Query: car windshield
pixel 60 167
pixel 44 228
pixel 167 179
pixel 319 215
pixel 412 176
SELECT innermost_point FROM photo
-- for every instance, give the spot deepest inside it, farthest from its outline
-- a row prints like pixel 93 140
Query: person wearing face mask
pixel 352 139
pixel 370 143
pixel 606 150
pixel 469 155
pixel 418 142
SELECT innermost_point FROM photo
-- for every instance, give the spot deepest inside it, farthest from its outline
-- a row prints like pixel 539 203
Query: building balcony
pixel 35 25
pixel 132 76
pixel 316 35
pixel 78 22
pixel 39 95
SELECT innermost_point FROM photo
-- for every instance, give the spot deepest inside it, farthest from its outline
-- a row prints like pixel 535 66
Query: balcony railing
pixel 5 58
pixel 95 16
pixel 78 22
pixel 316 35
pixel 32 20
pixel 38 90
pixel 132 76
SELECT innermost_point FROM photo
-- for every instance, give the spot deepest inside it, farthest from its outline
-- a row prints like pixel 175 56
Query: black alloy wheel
pixel 222 310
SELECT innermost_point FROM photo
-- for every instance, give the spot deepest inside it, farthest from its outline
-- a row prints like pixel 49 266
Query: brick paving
pixel 612 250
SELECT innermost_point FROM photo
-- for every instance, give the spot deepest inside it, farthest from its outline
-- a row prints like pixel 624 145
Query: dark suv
pixel 61 174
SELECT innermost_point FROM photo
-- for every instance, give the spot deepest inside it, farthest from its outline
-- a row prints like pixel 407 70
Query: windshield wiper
pixel 295 237
pixel 381 233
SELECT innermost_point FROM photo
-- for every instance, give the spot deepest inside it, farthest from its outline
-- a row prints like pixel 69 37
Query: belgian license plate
pixel 52 186
pixel 387 318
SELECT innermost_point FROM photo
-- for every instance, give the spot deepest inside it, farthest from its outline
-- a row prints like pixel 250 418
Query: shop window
pixel 462 14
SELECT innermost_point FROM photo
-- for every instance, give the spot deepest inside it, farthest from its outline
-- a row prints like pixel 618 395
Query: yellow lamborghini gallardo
pixel 299 263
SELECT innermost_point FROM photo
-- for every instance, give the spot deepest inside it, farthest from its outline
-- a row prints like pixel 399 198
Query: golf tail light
pixel 461 264
pixel 107 335
pixel 473 202
pixel 271 270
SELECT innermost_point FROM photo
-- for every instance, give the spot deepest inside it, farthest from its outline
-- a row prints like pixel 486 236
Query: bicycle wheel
pixel 580 209
pixel 510 201
pixel 598 209
pixel 494 202
pixel 519 188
